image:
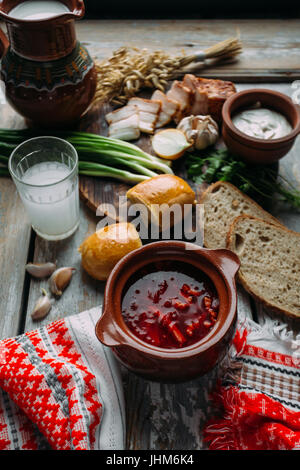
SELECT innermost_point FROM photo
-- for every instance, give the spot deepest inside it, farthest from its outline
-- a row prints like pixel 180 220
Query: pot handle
pixel 107 332
pixel 225 259
pixel 4 43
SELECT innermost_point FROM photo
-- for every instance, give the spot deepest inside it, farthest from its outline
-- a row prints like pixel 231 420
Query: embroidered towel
pixel 60 388
pixel 259 397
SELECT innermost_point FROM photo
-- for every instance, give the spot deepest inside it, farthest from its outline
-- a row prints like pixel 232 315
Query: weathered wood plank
pixel 15 231
pixel 167 416
pixel 83 292
pixel 271 47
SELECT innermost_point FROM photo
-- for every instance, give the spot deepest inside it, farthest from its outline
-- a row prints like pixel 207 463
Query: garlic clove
pixel 42 306
pixel 60 279
pixel 40 270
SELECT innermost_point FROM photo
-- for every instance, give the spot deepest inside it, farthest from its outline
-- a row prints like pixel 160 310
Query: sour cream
pixel 262 123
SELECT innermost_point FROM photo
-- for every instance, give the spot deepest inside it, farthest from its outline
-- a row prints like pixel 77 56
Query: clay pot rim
pixel 254 142
pixel 127 338
pixel 76 13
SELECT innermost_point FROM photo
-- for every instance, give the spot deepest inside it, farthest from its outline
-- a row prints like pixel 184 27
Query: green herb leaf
pixel 258 181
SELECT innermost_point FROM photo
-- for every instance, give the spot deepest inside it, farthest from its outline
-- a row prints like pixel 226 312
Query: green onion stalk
pixel 98 155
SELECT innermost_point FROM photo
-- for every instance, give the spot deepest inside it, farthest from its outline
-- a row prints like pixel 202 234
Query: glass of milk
pixel 45 171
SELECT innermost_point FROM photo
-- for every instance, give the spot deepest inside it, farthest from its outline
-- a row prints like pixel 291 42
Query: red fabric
pixel 30 374
pixel 251 420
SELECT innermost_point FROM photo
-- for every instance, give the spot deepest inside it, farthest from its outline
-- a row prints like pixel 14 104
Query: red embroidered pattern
pixel 4 438
pixel 29 388
pixel 251 420
pixel 271 356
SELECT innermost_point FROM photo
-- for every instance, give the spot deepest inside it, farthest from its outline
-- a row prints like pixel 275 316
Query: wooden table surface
pixel 159 416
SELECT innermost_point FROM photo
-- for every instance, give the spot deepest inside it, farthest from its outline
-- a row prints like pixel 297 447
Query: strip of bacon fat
pixel 200 101
pixel 168 109
pixel 148 113
pixel 125 129
pixel 121 113
pixel 183 95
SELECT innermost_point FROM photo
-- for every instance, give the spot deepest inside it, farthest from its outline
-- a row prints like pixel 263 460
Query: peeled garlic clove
pixel 40 270
pixel 42 306
pixel 60 279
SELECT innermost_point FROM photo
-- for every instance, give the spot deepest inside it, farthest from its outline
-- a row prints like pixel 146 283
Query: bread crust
pixel 241 278
pixel 239 193
pixel 217 184
pixel 103 249
pixel 162 189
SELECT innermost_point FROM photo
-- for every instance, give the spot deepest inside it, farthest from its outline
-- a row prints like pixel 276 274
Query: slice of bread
pixel 270 262
pixel 223 202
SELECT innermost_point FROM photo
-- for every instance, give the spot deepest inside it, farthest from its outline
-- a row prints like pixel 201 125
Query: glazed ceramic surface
pixel 50 77
pixel 255 150
pixel 177 364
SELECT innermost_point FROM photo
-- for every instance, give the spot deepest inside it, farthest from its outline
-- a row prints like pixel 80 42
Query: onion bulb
pixel 170 144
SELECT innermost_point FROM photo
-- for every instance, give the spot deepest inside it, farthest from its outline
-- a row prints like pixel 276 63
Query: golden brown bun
pixel 101 251
pixel 162 189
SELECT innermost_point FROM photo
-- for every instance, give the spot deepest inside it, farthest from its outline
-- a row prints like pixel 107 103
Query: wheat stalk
pixel 130 69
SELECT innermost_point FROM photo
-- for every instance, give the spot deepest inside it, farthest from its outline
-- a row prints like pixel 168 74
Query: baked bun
pixel 162 189
pixel 101 251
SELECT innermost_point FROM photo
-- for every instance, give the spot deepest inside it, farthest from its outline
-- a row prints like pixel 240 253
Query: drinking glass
pixel 45 171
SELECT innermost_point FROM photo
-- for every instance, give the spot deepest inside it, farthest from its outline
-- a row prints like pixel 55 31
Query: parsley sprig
pixel 258 181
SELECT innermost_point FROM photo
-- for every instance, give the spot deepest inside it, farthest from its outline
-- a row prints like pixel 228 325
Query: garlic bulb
pixel 201 131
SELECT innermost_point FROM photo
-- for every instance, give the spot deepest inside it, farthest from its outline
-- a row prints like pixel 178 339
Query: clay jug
pixel 49 75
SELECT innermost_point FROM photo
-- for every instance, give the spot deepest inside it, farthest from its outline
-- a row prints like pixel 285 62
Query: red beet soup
pixel 170 305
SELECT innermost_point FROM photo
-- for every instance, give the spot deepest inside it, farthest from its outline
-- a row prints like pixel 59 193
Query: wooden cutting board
pixel 96 190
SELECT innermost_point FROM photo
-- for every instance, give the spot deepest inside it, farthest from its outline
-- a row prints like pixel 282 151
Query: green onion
pixel 98 155
pixel 96 169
